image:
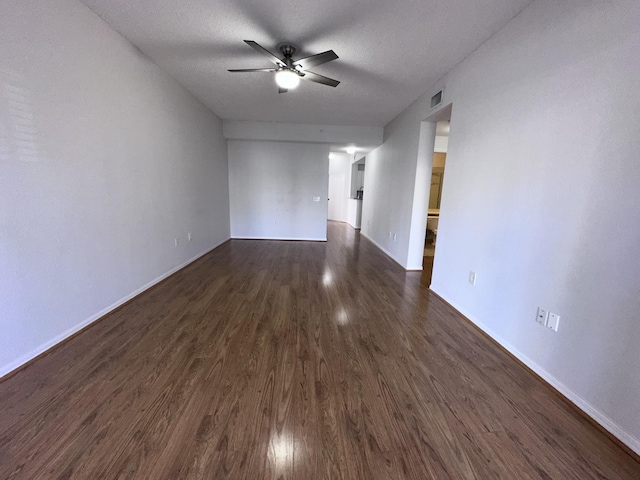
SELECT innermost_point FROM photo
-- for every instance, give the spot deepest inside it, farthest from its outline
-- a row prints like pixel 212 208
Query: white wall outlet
pixel 554 321
pixel 542 316
pixel 472 278
pixel 189 236
pixel 175 242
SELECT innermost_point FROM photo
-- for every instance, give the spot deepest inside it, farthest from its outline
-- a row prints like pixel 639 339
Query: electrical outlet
pixel 554 321
pixel 542 316
pixel 472 278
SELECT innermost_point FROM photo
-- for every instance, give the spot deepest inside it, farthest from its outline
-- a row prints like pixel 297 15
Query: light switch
pixel 554 321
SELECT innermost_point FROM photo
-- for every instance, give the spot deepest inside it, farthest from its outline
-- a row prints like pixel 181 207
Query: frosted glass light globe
pixel 287 79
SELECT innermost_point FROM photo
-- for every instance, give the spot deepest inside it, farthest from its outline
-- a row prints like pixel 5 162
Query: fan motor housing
pixel 287 50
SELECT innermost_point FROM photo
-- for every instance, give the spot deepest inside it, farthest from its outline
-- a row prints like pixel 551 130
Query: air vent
pixel 436 99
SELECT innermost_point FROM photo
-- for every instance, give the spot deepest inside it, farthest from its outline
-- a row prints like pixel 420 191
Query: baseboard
pixel 410 268
pixel 632 443
pixel 384 250
pixel 12 367
pixel 286 239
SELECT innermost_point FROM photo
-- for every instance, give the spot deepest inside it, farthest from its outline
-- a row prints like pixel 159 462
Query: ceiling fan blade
pixel 282 90
pixel 314 77
pixel 253 70
pixel 265 52
pixel 314 60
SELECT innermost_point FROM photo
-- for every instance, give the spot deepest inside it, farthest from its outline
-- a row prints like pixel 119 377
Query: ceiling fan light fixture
pixel 287 79
pixel 289 71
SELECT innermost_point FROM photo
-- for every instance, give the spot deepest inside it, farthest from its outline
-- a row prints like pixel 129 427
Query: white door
pixel 337 199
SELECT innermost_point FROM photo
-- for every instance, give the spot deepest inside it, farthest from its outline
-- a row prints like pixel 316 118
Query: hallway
pixel 303 360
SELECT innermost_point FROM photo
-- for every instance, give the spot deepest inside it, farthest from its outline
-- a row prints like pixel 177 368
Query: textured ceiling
pixel 390 52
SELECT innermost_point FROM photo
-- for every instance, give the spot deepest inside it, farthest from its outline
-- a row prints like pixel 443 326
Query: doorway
pixel 336 197
pixel 426 218
pixel 441 144
pixel 338 186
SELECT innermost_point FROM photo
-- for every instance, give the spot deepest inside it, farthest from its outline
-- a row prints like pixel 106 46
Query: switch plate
pixel 394 236
pixel 316 199
pixel 175 242
pixel 472 278
pixel 189 236
pixel 554 321
pixel 542 316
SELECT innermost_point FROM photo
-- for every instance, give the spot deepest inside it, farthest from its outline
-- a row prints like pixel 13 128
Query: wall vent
pixel 436 99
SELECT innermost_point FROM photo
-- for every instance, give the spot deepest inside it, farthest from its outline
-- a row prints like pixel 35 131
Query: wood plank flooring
pixel 292 360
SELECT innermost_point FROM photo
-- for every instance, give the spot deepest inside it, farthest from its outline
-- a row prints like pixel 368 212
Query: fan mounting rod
pixel 288 51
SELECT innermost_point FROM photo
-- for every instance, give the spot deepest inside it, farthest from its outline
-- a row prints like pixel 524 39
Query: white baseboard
pixel 384 250
pixel 294 239
pixel 11 366
pixel 353 226
pixel 415 268
pixel 602 419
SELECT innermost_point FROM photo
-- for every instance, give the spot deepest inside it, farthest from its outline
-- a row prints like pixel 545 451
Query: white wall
pixel 421 190
pixel 354 213
pixel 339 186
pixel 299 132
pixel 441 144
pixel 540 198
pixel 271 190
pixel 104 160
pixel 389 188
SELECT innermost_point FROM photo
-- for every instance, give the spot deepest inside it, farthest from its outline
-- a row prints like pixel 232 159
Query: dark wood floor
pixel 292 360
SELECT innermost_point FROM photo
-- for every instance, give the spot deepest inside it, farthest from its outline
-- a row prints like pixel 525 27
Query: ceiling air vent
pixel 436 99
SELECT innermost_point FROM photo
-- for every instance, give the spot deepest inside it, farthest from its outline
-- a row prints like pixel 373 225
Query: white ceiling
pixel 390 52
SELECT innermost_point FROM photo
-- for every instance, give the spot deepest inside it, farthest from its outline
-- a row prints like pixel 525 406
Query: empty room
pixel 222 255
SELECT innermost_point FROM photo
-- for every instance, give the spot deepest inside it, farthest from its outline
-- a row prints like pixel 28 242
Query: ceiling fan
pixel 288 71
